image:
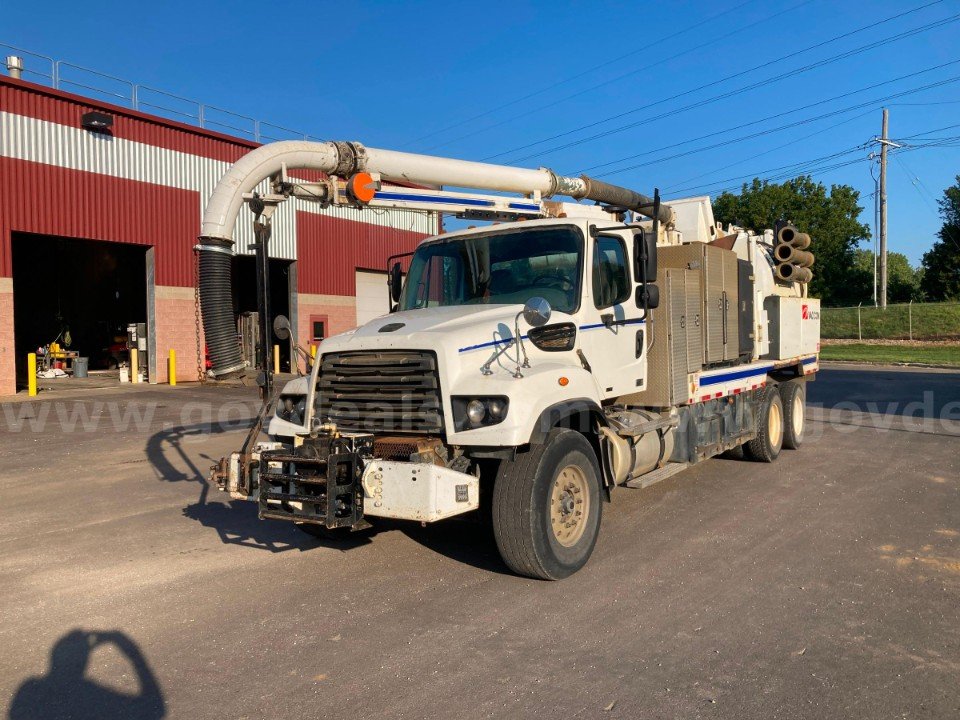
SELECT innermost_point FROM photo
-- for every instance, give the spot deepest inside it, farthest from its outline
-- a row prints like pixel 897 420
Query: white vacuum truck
pixel 531 366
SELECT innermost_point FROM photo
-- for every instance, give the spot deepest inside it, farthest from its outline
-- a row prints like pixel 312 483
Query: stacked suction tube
pixel 793 259
pixel 216 295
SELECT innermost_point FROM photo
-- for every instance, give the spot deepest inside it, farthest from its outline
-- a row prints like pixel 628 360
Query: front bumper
pixel 336 484
pixel 417 491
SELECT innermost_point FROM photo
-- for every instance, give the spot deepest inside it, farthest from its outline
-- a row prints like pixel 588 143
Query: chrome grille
pixel 376 391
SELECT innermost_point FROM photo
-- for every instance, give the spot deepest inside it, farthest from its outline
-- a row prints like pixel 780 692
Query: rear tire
pixel 547 507
pixel 765 447
pixel 794 397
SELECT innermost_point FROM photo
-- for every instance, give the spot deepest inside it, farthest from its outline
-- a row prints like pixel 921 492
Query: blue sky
pixel 482 81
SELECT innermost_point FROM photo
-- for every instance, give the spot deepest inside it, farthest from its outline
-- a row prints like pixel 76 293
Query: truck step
pixel 655 476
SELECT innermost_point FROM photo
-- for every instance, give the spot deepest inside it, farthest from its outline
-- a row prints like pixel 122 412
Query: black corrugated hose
pixel 216 306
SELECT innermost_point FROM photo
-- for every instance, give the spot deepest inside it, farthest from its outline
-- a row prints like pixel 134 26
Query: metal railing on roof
pixel 62 75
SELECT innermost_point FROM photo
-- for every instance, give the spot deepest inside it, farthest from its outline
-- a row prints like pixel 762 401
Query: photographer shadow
pixel 66 692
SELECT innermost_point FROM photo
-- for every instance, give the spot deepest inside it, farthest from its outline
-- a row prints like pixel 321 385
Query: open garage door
pixel 373 296
pixel 87 288
pixel 245 302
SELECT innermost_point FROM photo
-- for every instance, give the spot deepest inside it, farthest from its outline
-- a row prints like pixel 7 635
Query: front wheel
pixel 547 507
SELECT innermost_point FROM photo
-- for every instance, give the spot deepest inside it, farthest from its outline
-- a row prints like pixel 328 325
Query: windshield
pixel 498 268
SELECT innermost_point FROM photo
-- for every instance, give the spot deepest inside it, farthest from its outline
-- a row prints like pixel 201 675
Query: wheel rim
pixel 569 505
pixel 797 415
pixel 774 425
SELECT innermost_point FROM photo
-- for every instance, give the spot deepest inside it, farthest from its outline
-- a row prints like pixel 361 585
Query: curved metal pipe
pixel 343 159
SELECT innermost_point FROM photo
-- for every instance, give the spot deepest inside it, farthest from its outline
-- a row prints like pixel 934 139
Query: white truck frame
pixel 444 402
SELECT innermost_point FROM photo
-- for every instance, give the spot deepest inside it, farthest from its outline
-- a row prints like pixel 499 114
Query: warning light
pixel 361 187
pixel 564 381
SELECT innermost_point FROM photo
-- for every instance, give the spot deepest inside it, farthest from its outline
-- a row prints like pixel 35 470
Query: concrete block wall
pixel 341 312
pixel 176 329
pixel 8 371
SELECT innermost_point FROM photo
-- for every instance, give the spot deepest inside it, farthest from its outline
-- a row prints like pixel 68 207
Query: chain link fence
pixel 911 321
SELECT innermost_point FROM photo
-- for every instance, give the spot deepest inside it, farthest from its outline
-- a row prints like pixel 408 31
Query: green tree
pixel 831 219
pixel 941 264
pixel 903 281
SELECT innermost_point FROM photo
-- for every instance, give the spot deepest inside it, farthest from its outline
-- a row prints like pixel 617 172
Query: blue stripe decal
pixel 633 321
pixel 739 375
pixel 810 360
pixel 436 199
pixel 522 206
pixel 492 343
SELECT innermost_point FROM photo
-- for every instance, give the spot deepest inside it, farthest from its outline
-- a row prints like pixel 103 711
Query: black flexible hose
pixel 622 197
pixel 216 306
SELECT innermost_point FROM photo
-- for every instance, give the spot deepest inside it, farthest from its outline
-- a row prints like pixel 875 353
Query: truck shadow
pixel 173 453
pixel 468 541
pixel 66 691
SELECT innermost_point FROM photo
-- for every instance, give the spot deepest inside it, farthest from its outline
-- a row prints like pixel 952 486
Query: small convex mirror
pixel 281 327
pixel 537 312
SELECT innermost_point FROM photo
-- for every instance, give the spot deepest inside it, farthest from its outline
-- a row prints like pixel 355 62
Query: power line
pixel 780 128
pixel 731 93
pixel 796 168
pixel 695 48
pixel 803 167
pixel 917 184
pixel 738 91
pixel 767 152
pixel 941 102
pixel 583 73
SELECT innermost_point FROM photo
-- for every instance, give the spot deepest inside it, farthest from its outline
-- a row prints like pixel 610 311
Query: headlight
pixel 475 412
pixel 497 408
pixel 292 408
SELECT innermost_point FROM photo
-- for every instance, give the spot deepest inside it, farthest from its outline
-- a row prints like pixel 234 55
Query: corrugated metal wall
pixel 330 249
pixel 96 194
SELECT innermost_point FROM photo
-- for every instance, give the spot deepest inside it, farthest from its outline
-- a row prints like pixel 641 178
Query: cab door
pixel 612 331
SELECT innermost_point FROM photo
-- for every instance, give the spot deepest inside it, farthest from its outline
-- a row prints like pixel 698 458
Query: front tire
pixel 794 397
pixel 547 507
pixel 765 447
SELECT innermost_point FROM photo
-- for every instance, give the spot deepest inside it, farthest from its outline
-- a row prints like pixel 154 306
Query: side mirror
pixel 537 312
pixel 396 283
pixel 644 257
pixel 281 327
pixel 647 296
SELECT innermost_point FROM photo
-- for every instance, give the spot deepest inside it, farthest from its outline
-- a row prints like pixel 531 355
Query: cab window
pixel 610 281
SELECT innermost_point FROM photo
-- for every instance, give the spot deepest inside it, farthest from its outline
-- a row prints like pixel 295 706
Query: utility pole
pixel 883 208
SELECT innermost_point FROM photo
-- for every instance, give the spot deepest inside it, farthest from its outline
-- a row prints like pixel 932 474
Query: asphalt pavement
pixel 825 585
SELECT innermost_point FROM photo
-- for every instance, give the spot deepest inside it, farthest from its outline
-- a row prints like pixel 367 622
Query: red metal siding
pixel 50 200
pixel 329 251
pixel 42 103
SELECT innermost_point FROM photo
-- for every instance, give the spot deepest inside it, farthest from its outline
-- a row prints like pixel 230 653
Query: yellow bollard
pixel 134 365
pixel 32 374
pixel 172 367
pixel 276 359
pixel 313 352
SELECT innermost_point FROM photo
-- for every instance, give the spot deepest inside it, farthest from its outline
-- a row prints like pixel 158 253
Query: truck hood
pixel 456 328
